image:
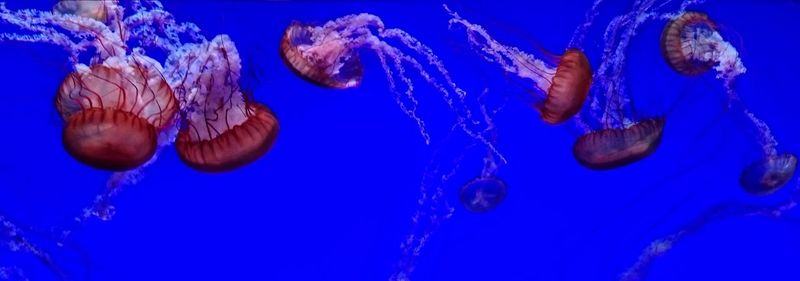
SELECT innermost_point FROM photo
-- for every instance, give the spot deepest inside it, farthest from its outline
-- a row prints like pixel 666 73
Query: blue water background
pixel 333 198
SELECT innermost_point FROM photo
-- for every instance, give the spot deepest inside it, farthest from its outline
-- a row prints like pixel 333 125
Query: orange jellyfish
pixel 329 62
pixel 611 148
pixel 114 111
pixel 767 175
pixel 562 82
pixel 623 136
pixel 692 45
pixel 223 129
pixel 680 46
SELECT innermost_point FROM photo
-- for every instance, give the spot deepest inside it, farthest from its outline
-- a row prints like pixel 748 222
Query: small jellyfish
pixel 561 82
pixel 680 44
pixel 97 10
pixel 223 128
pixel 114 111
pixel 767 175
pixel 483 194
pixel 329 61
pixel 611 148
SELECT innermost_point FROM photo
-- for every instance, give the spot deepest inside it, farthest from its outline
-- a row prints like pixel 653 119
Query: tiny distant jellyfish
pixel 327 56
pixel 114 111
pixel 96 10
pixel 432 207
pixel 562 83
pixel 695 46
pixel 486 191
pixel 483 194
pixel 767 175
pixel 224 130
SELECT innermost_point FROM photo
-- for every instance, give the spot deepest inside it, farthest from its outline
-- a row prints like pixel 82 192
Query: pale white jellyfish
pixel 432 206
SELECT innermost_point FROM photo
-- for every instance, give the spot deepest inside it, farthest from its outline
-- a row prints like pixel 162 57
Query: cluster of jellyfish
pixel 122 107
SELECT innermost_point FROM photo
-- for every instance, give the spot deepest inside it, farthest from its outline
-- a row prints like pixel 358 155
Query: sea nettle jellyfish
pixel 679 43
pixel 119 108
pixel 561 82
pixel 327 56
pixel 622 136
pixel 692 45
pixel 223 128
pixel 114 112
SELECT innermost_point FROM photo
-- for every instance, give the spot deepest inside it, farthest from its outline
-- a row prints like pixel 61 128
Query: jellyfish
pixel 561 83
pixel 224 129
pixel 483 193
pixel 692 45
pixel 678 44
pixel 767 175
pixel 331 63
pixel 327 56
pixel 113 112
pixel 446 164
pixel 621 136
pixel 116 67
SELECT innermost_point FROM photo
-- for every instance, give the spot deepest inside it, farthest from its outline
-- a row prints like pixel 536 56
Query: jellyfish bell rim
pixel 652 127
pixel 671 46
pixel 101 148
pixel 294 60
pixel 576 66
pixel 492 179
pixel 190 152
pixel 760 189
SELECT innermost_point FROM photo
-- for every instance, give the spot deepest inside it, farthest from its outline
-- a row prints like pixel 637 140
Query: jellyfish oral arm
pixel 86 31
pixel 511 59
pixel 141 26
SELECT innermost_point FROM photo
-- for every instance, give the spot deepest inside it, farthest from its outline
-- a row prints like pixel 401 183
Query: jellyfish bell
pixel 325 59
pixel 561 82
pixel 615 147
pixel 223 128
pixel 483 194
pixel 767 175
pixel 233 146
pixel 680 44
pixel 96 10
pixel 114 111
pixel 568 88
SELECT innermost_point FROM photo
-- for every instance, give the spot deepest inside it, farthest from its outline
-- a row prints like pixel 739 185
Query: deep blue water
pixel 333 198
